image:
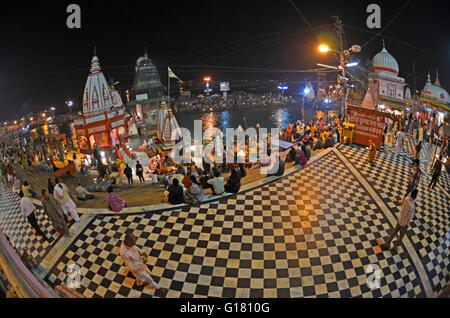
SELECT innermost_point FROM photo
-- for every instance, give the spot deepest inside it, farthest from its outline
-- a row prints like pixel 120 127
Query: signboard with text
pixel 369 125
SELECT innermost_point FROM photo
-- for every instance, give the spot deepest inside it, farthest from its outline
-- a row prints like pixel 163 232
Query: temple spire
pixel 437 82
pixel 145 52
pixel 384 45
pixel 95 51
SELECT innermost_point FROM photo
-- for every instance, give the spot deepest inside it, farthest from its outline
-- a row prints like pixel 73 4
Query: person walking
pixel 135 259
pixel 407 213
pixel 437 168
pixel 400 137
pixel 140 172
pixel 50 186
pixel 62 196
pixel 54 213
pixel 414 127
pixel 415 177
pixel 4 174
pixel 27 209
pixel 372 151
pixel 420 136
pixel 129 174
pixel 417 151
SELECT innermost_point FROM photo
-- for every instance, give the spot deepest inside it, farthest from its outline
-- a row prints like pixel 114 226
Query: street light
pixel 306 92
pixel 282 88
pixel 324 48
pixel 207 80
pixel 343 57
pixel 69 104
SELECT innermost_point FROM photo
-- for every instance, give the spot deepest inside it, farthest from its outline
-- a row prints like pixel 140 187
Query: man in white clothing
pixel 399 142
pixel 62 196
pixel 27 209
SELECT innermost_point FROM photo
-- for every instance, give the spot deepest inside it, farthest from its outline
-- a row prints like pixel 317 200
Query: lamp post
pixel 306 92
pixel 207 80
pixel 343 57
pixel 282 88
pixel 69 104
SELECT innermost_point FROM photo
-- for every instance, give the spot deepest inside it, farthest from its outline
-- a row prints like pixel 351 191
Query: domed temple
pixel 434 96
pixel 387 87
pixel 148 92
pixel 103 121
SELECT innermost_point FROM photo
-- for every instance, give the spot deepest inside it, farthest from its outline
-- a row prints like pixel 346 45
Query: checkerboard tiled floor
pixel 311 234
pixel 19 230
pixel 429 230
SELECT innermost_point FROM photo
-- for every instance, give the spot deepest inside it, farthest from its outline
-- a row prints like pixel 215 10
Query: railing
pixel 21 279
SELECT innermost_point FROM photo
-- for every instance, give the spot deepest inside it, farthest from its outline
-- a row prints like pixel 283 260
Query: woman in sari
pixel 115 202
pixel 134 259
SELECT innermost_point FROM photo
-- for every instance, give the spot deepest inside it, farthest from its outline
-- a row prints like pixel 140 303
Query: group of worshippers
pixel 189 183
pixel 319 134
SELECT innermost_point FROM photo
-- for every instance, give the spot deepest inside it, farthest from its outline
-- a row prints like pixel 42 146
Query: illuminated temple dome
pixel 98 96
pixel 434 94
pixel 385 63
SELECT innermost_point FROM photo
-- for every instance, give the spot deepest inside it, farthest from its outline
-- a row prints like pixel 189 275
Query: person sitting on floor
pixel 234 182
pixel 82 193
pixel 196 193
pixel 175 192
pixel 217 183
pixel 115 202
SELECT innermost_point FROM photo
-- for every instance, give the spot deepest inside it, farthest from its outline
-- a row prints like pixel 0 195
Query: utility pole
pixel 342 56
pixel 414 77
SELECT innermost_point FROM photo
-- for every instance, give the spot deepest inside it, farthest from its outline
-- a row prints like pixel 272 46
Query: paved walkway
pixel 313 233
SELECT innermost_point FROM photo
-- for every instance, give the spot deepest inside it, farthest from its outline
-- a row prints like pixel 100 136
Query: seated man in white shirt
pixel 218 183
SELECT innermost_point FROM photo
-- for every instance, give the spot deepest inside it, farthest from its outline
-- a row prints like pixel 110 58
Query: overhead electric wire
pixel 387 25
pixel 354 77
pixel 261 44
pixel 304 18
pixel 396 40
pixel 233 42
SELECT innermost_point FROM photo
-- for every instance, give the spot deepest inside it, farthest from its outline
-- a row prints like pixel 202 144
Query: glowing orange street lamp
pixel 324 48
pixel 207 80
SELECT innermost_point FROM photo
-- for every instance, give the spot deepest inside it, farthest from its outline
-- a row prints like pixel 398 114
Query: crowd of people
pixel 233 101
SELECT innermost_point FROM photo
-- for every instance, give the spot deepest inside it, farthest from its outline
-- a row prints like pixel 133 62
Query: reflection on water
pixel 266 118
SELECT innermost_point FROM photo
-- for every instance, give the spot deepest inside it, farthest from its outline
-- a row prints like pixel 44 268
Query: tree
pixel 66 128
pixel 359 77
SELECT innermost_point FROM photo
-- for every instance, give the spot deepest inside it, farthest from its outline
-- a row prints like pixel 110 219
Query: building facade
pixel 147 93
pixel 388 89
pixel 103 121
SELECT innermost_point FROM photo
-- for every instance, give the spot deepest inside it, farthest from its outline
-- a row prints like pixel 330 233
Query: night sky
pixel 43 63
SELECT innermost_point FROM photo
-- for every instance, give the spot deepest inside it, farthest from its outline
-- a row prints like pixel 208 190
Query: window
pixel 391 90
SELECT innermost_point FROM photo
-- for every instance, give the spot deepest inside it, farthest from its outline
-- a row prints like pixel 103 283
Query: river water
pixel 268 118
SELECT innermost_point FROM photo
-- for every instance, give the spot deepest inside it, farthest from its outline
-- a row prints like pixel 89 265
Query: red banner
pixel 369 125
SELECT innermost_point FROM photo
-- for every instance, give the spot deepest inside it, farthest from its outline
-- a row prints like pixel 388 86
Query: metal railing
pixel 23 282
